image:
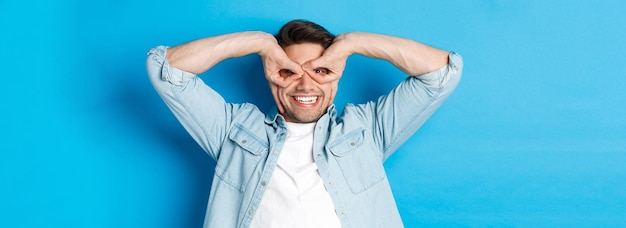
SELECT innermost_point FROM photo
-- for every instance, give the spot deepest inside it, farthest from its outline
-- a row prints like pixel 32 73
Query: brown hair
pixel 303 31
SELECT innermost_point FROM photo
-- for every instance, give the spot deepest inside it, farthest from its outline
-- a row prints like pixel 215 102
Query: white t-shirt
pixel 296 196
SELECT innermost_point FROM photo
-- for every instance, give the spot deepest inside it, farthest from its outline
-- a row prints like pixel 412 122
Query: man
pixel 302 165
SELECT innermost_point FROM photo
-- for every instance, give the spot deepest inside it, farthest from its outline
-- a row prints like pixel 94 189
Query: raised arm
pixel 394 117
pixel 194 56
pixel 173 73
pixel 412 57
pixel 199 55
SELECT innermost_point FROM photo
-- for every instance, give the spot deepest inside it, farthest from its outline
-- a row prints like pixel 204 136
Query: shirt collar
pixel 274 118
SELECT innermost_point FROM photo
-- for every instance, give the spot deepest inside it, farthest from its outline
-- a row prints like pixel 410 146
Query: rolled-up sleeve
pixel 450 73
pixel 159 69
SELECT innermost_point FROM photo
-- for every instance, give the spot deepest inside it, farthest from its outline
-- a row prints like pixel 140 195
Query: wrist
pixel 343 46
pixel 266 43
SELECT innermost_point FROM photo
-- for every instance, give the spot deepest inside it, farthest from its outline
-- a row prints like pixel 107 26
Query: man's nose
pixel 306 82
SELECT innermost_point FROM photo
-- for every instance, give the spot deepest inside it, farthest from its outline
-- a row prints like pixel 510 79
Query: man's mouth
pixel 306 100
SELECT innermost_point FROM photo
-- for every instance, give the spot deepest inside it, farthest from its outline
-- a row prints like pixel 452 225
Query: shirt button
pixel 244 141
pixel 319 155
pixel 330 183
pixel 275 152
pixel 263 183
pixel 352 144
pixel 251 212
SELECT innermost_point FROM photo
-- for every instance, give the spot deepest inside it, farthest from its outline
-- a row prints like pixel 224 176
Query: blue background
pixel 535 135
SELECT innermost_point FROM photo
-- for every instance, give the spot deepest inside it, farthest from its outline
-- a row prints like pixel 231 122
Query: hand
pixel 326 68
pixel 329 67
pixel 276 61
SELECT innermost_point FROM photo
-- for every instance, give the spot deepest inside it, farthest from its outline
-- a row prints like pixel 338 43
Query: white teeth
pixel 306 100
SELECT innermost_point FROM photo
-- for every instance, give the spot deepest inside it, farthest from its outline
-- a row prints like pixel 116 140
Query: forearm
pixel 412 57
pixel 200 55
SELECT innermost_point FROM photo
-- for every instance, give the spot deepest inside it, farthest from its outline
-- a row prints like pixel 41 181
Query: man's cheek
pixel 333 93
pixel 277 100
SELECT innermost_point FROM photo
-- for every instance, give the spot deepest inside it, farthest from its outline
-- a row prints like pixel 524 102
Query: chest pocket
pixel 359 163
pixel 240 158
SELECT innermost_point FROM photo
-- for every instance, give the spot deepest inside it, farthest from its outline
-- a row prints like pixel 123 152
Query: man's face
pixel 305 100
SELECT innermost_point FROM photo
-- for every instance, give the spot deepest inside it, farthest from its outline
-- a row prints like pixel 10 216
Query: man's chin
pixel 307 120
pixel 302 118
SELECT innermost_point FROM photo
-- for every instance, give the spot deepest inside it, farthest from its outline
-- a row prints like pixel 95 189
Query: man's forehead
pixel 301 53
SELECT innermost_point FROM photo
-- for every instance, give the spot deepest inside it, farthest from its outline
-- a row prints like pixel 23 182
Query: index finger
pixel 322 78
pixel 282 78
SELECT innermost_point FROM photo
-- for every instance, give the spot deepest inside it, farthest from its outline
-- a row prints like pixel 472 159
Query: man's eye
pixel 286 73
pixel 321 71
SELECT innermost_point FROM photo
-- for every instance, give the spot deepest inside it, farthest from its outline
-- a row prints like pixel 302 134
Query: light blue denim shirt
pixel 349 150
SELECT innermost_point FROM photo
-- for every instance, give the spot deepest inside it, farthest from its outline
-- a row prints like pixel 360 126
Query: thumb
pixel 293 67
pixel 312 64
pixel 321 62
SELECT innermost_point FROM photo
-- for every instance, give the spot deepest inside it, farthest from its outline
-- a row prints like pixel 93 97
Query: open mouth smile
pixel 305 100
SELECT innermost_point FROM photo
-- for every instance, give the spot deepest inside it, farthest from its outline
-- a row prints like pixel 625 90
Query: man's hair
pixel 303 31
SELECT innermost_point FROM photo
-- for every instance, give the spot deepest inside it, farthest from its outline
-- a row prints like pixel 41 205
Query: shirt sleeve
pixel 395 117
pixel 196 106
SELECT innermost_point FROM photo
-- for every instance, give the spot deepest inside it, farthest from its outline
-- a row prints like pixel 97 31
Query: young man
pixel 302 165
